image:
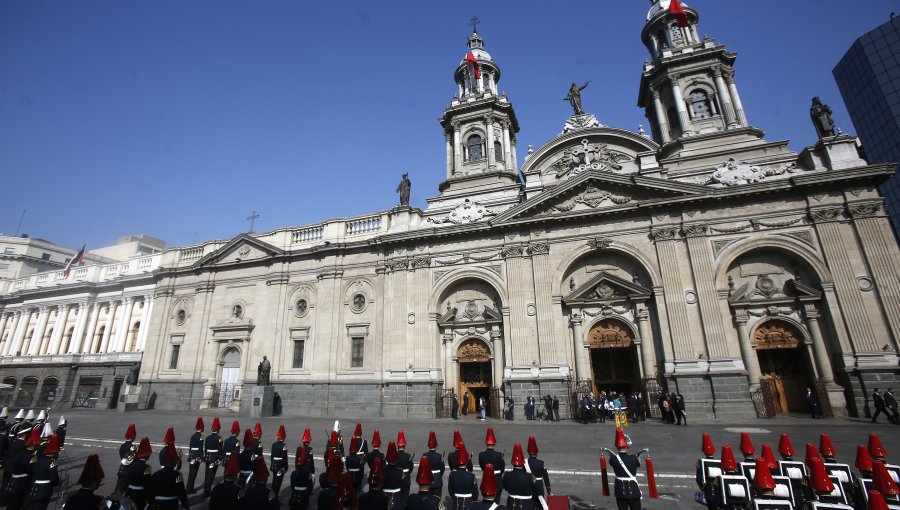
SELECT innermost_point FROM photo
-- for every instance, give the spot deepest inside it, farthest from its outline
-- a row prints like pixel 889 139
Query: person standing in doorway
pixel 454 410
pixel 482 405
pixel 813 402
pixel 465 404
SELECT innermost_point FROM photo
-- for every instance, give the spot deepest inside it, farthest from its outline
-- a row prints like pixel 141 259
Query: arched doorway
pixel 48 392
pixel 614 357
pixel 474 371
pixel 784 364
pixel 27 391
pixel 231 367
pixel 7 389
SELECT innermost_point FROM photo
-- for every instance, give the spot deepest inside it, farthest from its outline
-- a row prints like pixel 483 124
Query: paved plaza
pixel 571 450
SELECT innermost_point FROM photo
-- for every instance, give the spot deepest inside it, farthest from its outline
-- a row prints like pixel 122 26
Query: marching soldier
pixel 169 440
pixel 257 440
pixel 376 444
pixel 488 492
pixel 396 483
pixel 363 444
pixel 4 414
pixel 724 494
pixel 61 432
pixel 166 488
pixel 345 495
pixel 135 481
pixel 538 470
pixel 21 473
pixel 279 460
pixel 246 459
pixel 518 484
pixel 494 458
pixel 41 419
pixel 375 498
pixel 256 495
pixel 329 480
pixel 46 477
pixel 310 465
pixel 424 499
pixel 29 419
pixel 17 422
pixel 225 494
pixel 404 459
pixel 354 463
pixel 864 465
pixel 232 445
pixel 764 497
pixel 301 481
pixel 625 465
pixel 452 460
pixel 709 452
pixel 822 487
pixel 461 484
pixel 195 454
pixel 213 455
pixel 436 461
pixel 90 480
pixel 15 447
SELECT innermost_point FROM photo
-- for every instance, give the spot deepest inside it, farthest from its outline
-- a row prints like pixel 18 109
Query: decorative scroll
pixel 776 335
pixel 587 156
pixel 610 335
pixel 473 351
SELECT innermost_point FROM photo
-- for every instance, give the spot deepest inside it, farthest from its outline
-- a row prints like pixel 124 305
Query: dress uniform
pixel 375 498
pixel 396 483
pixel 61 431
pixel 404 459
pixel 436 460
pixel 355 463
pixel 126 452
pixel 424 499
pixel 246 458
pixel 764 489
pixel 90 479
pixel 195 454
pixel 345 494
pixel 822 487
pixel 489 491
pixel 452 460
pixel 625 465
pixel 279 463
pixel 363 445
pixel 232 445
pixel 257 440
pixel 519 485
pixel 376 444
pixel 538 470
pixel 21 473
pixel 493 457
pixel 461 484
pixel 301 481
pixel 46 476
pixel 225 494
pixel 334 467
pixel 213 455
pixel 311 464
pixel 166 488
pixel 136 479
pixel 884 484
pixel 167 441
pixel 15 447
pixel 256 495
pixel 860 492
pixel 730 490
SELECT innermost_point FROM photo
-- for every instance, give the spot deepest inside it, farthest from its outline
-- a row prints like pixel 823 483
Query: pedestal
pixel 129 398
pixel 261 400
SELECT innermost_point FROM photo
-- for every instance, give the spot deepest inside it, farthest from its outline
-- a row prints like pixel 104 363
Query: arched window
pixel 27 391
pixel 68 340
pixel 700 107
pixel 98 339
pixel 475 148
pixel 7 389
pixel 133 337
pixel 45 343
pixel 498 151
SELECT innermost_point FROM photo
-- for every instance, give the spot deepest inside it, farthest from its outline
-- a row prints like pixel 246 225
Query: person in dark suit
pixel 465 404
pixel 812 401
pixel 166 489
pixel 878 402
pixel 890 403
pixel 90 480
pixel 225 494
pixel 625 465
pixel 454 409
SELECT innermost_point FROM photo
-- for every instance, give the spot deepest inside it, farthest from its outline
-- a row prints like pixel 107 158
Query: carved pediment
pixel 585 155
pixel 606 288
pixel 770 288
pixel 473 311
pixel 243 248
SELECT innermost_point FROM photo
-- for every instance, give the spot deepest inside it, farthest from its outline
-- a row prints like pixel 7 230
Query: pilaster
pixel 520 291
pixel 543 289
pixel 704 279
pixel 673 288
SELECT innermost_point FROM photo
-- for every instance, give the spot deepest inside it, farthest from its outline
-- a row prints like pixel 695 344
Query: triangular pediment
pixel 241 249
pixel 472 312
pixel 593 191
pixel 605 287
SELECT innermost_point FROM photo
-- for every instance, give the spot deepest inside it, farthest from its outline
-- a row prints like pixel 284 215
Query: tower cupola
pixel 477 74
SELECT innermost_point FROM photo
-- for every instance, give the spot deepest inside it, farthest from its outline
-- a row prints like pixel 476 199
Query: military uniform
pixel 405 462
pixel 84 499
pixel 627 491
pixel 245 459
pixel 375 499
pixel 491 456
pixel 486 505
pixel 396 485
pixel 462 489
pixel 224 495
pixel 453 463
pixel 326 497
pixel 279 464
pixel 231 445
pixel 195 457
pixel 541 477
pixel 46 478
pixel 257 496
pixel 424 501
pixel 354 465
pixel 135 482
pixel 310 465
pixel 436 460
pixel 301 488
pixel 167 490
pixel 372 455
pixel 213 455
pixel 521 490
pixel 21 472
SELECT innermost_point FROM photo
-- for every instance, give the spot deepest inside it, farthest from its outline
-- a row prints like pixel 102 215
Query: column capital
pixel 695 230
pixel 717 71
pixel 641 314
pixel 663 233
pixel 728 73
pixel 826 214
pixel 489 119
pixel 495 335
pixel 456 125
pixel 864 210
pixel 741 316
pixel 576 319
pixel 811 312
pixel 675 77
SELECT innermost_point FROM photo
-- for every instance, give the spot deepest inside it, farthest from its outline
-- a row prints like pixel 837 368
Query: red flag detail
pixel 677 11
pixel 651 479
pixel 77 259
pixel 604 475
pixel 472 64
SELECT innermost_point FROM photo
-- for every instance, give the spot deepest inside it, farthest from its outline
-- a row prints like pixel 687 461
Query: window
pixel 298 353
pixel 98 339
pixel 474 145
pixel 9 251
pixel 173 360
pixel 302 307
pixel 700 108
pixel 498 151
pixel 357 347
pixel 67 340
pixel 359 303
pixel 133 337
pixel 45 256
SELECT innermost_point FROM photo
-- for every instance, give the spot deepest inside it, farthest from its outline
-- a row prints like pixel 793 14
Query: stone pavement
pixel 571 450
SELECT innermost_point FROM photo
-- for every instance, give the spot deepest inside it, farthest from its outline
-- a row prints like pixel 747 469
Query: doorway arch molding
pixel 589 326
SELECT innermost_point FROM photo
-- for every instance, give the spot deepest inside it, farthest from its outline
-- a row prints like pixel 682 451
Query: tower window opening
pixel 663 39
pixel 677 34
pixel 475 147
pixel 498 151
pixel 700 106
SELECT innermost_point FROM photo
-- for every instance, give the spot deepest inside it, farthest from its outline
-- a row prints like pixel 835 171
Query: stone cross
pixel 252 218
pixel 474 21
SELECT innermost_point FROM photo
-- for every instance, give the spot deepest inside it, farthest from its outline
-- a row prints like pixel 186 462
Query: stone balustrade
pixel 90 274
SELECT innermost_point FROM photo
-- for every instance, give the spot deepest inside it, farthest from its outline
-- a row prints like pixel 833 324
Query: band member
pixel 452 460
pixel 136 480
pixel 195 454
pixel 329 480
pixel 404 459
pixel 424 499
pixel 46 477
pixel 396 483
pixel 519 485
pixel 538 470
pixel 279 463
pixel 488 493
pixel 493 457
pixel 375 498
pixel 126 452
pixel 90 480
pixel 213 455
pixel 61 431
pixel 225 494
pixel 860 489
pixel 169 440
pixel 821 487
pixel 354 462
pixel 376 444
pixel 363 444
pixel 21 473
pixel 436 460
pixel 246 459
pixel 232 444
pixel 256 494
pixel 764 497
pixel 884 484
pixel 461 484
pixel 301 481
pixel 257 440
pixel 345 493
pixel 625 465
pixel 305 440
pixel 731 490
pixel 166 488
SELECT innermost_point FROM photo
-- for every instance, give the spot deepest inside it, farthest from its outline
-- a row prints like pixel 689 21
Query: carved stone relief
pixel 465 213
pixel 776 335
pixel 588 156
pixel 733 173
pixel 608 334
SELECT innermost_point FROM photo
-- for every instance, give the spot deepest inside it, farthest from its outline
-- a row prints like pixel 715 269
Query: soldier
pixel 246 458
pixel 232 444
pixel 519 484
pixel 452 460
pixel 345 494
pixel 396 483
pixel 301 481
pixel 724 494
pixel 126 452
pixel 376 444
pixel 404 459
pixel 256 495
pixel 764 497
pixel 334 467
pixel 41 419
pixel 136 479
pixel 21 473
pixel 375 498
pixel 363 444
pixel 257 440
pixel 4 439
pixel 213 455
pixel 279 463
pixel 461 484
pixel 488 492
pixel 225 494
pixel 15 447
pixel 17 422
pixel 46 476
pixel 169 440
pixel 4 414
pixel 29 419
pixel 425 499
pixel 538 470
pixel 61 432
pixel 625 465
pixel 166 487
pixel 90 480
pixel 354 463
pixel 305 440
pixel 864 465
pixel 884 484
pixel 821 486
pixel 494 458
pixel 436 461
pixel 195 454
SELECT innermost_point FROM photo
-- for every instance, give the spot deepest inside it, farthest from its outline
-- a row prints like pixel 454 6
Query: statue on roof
pixel 574 97
pixel 403 188
pixel 821 118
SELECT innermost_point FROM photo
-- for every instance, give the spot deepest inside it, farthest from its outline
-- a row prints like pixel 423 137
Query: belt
pixel 498 471
pixel 390 491
pixel 536 478
pixel 301 488
pixel 212 451
pixel 462 495
pixel 41 481
pixel 195 448
pixel 277 458
pixel 165 498
pixel 23 475
pixel 515 496
pixel 248 471
pixel 353 470
pixel 136 487
pixel 435 471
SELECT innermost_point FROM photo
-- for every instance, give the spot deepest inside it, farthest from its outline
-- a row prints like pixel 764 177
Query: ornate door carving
pixel 610 334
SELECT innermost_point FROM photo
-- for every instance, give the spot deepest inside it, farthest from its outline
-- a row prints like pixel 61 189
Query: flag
pixel 472 65
pixel 677 11
pixel 77 259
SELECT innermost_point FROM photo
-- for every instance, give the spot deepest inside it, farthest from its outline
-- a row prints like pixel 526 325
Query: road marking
pixel 749 430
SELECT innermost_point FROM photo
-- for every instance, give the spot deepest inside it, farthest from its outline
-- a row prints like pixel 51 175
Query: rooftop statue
pixel 574 97
pixel 821 118
pixel 403 188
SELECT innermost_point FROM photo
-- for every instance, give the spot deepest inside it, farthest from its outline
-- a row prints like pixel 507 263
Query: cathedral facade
pixel 698 258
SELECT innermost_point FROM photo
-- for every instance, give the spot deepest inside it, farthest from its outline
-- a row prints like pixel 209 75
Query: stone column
pixel 457 149
pixel 80 326
pixel 90 341
pixel 661 122
pixel 448 360
pixel 724 98
pixel 11 337
pixel 38 345
pixel 124 326
pixel 582 362
pixel 448 138
pixel 145 322
pixel 59 327
pixel 489 126
pixel 4 318
pixel 735 98
pixel 751 362
pixel 681 107
pixel 21 330
pixel 506 147
pixel 823 362
pixel 497 346
pixel 648 354
pixel 110 317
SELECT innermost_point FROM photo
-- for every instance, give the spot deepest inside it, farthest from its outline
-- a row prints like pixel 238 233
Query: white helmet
pixel 47 432
pixel 20 414
pixel 4 413
pixel 30 415
pixel 42 416
pixel 62 420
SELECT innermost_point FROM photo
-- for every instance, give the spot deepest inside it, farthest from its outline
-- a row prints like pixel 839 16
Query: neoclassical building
pixel 698 258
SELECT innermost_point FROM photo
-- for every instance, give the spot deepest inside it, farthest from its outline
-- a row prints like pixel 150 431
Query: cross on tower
pixel 474 21
pixel 253 217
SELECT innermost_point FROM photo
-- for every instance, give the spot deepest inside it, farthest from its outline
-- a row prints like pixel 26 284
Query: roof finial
pixel 474 21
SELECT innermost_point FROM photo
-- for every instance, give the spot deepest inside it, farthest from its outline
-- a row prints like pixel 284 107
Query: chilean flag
pixel 677 12
pixel 77 259
pixel 472 65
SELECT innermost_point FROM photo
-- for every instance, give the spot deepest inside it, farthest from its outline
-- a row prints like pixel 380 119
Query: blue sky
pixel 178 118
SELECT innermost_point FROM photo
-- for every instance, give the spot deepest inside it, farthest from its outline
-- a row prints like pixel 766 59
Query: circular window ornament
pixel 358 303
pixel 865 283
pixel 180 317
pixel 301 308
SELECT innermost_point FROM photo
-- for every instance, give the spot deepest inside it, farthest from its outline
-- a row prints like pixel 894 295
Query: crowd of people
pixel 29 455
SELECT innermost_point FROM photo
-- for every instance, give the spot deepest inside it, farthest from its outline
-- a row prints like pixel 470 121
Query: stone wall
pixel 862 383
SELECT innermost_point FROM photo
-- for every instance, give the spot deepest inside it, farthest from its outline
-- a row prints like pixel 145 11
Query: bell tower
pixel 687 88
pixel 480 129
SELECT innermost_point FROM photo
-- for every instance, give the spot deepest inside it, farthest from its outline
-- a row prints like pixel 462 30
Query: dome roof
pixel 479 53
pixel 661 5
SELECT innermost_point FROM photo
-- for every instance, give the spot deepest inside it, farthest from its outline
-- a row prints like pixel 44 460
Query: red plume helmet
pixel 130 432
pixel 257 431
pixel 818 477
pixel 811 453
pixel 376 474
pixel 707 447
pixel 248 439
pixel 144 450
pixel 307 437
pixel 401 439
pixel 92 472
pixel 747 445
pixel 391 456
pixel 354 445
pixel 334 469
pixel 52 448
pixel 333 442
pixel 376 439
pixel 876 449
pixel 170 456
pixel 489 439
pixel 729 464
pixel 518 460
pixel 621 442
pixel 200 425
pixel 785 448
pixel 216 426
pixel 358 430
pixel 863 459
pixel 424 476
pixel 762 477
pixel 35 438
pixel 882 481
pixel 769 456
pixel 170 436
pixel 432 440
pixel 260 471
pixel 281 433
pixel 532 446
pixel 457 438
pixel 876 501
pixel 489 481
pixel 233 466
pixel 302 457
pixel 462 455
pixel 235 428
pixel 826 448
